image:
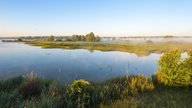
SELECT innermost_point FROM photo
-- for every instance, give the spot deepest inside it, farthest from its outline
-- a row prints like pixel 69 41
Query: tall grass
pixel 133 91
pixel 160 97
pixel 36 92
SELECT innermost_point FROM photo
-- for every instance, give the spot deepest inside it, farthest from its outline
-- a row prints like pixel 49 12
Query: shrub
pixel 50 38
pixel 59 39
pixel 139 84
pixel 149 41
pixel 114 89
pixel 19 40
pixel 123 87
pixel 174 70
pixel 80 92
pixel 10 99
pixel 30 89
pixel 11 84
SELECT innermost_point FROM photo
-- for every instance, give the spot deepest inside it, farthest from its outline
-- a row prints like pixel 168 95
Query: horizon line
pixel 132 36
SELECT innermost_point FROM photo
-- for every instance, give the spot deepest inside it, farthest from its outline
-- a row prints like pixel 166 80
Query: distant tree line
pixel 88 37
pixel 51 38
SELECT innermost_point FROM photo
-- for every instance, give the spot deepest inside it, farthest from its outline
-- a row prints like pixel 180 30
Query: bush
pixel 114 89
pixel 149 41
pixel 11 84
pixel 50 38
pixel 123 87
pixel 174 70
pixel 80 92
pixel 139 84
pixel 30 89
pixel 59 39
pixel 10 99
pixel 19 40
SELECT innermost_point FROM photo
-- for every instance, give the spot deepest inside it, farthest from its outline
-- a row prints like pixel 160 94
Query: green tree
pixel 90 37
pixel 19 40
pixel 75 38
pixel 59 39
pixel 83 38
pixel 51 38
pixel 174 70
pixel 97 39
pixel 68 39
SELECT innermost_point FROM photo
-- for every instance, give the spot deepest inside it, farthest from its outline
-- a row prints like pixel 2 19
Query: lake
pixel 67 65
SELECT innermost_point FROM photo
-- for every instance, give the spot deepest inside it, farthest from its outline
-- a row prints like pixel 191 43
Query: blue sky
pixel 103 17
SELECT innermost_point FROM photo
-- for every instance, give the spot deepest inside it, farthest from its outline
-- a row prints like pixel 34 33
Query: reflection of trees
pixel 141 54
pixel 90 50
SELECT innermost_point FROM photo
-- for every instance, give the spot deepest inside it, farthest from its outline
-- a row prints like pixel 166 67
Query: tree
pixel 83 38
pixel 68 39
pixel 51 38
pixel 74 38
pixel 97 39
pixel 59 39
pixel 19 40
pixel 90 37
pixel 174 70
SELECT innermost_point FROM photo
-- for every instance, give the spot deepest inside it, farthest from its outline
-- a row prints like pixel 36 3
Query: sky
pixel 103 17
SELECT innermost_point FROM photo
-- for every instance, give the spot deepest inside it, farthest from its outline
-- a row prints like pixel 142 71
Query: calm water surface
pixel 67 65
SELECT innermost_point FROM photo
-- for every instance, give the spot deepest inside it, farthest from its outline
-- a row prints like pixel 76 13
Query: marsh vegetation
pixel 140 48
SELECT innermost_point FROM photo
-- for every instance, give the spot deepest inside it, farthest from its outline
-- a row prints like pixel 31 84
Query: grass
pixel 133 91
pixel 140 48
pixel 160 97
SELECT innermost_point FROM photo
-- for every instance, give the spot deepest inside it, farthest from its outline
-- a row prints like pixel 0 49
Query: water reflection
pixel 66 65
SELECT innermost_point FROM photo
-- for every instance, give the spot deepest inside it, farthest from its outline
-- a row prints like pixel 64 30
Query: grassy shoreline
pixel 139 48
pixel 120 92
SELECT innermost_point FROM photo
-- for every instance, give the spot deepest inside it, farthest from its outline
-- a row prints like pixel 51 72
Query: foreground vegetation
pixel 175 70
pixel 160 97
pixel 134 91
pixel 170 87
pixel 140 48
